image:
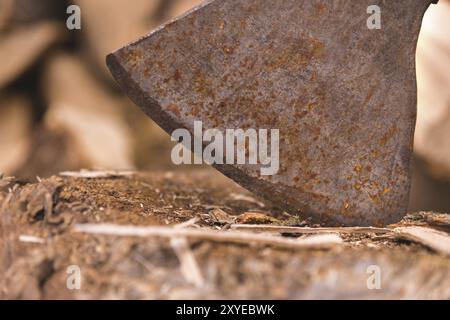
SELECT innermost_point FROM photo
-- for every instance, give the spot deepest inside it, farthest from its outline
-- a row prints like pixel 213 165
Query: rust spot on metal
pixel 174 109
pixel 388 136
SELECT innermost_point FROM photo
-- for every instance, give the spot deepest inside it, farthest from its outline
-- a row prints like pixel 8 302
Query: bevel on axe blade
pixel 342 95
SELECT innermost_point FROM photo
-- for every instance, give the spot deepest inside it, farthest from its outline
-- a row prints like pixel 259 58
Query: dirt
pixel 38 244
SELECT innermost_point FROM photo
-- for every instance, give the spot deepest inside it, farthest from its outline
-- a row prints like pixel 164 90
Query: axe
pixel 340 89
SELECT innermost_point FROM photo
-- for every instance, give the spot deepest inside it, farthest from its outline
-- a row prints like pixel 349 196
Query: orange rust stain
pixel 369 95
pixel 195 110
pixel 175 109
pixel 321 8
pixel 388 135
pixel 375 199
pixel 177 75
pixel 318 49
pixel 133 56
pixel 147 71
pixel 301 53
pixel 202 86
pixel 311 106
pixel 300 115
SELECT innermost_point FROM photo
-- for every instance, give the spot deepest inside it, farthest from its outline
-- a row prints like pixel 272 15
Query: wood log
pixel 21 47
pixel 19 12
pixel 433 68
pixel 15 131
pixel 87 114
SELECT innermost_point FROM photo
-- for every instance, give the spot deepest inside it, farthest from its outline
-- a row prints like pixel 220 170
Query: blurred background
pixel 60 109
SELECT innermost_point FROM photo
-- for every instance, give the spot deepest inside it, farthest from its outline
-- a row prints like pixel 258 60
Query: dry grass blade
pixel 190 223
pixel 31 239
pixel 433 239
pixel 318 241
pixel 301 230
pixel 188 264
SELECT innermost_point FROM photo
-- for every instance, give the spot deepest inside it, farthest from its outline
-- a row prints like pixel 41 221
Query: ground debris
pixel 256 218
pixel 176 236
pixel 220 216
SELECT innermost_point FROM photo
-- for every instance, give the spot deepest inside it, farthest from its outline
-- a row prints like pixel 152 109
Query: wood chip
pixel 221 216
pixel 256 218
pixel 317 241
pixel 433 239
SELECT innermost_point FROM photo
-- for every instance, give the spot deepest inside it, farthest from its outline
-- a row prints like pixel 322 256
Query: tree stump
pixel 189 244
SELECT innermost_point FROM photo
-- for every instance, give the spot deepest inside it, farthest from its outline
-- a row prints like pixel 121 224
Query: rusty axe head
pixel 340 88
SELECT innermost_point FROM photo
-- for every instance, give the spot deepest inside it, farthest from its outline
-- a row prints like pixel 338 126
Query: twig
pixel 301 230
pixel 190 223
pixel 318 241
pixel 88 174
pixel 31 239
pixel 188 265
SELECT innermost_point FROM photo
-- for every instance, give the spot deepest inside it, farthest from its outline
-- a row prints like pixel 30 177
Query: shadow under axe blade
pixel 343 95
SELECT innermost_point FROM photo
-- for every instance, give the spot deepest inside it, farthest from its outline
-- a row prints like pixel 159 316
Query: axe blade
pixel 342 95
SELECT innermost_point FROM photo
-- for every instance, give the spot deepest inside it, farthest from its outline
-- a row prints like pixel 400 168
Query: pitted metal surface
pixel 342 95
